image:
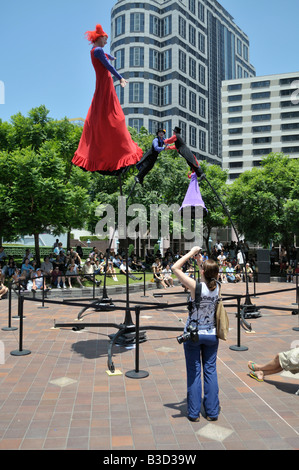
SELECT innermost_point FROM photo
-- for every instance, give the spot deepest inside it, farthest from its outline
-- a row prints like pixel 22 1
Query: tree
pixel 35 195
pixel 264 201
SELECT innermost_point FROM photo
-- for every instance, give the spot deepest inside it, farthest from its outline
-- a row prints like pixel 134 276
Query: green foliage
pixel 264 201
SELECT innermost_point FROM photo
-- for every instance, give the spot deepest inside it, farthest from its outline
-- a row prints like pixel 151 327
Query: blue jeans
pixel 204 353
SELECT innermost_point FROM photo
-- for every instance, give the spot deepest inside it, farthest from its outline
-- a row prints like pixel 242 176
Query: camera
pixel 191 333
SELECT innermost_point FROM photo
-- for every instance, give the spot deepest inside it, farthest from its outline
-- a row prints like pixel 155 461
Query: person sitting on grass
pixel 71 273
pixel 89 272
pixel 36 281
pixel 58 279
pixel 123 269
pixel 3 290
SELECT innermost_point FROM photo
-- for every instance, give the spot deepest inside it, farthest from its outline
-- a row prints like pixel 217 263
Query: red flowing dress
pixel 106 145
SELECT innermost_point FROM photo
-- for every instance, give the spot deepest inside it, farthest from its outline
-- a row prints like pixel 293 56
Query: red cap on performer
pixel 92 36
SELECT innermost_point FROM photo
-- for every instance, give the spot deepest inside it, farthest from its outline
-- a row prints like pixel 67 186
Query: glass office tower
pixel 175 54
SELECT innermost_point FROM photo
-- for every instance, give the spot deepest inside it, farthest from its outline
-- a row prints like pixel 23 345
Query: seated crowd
pixel 62 268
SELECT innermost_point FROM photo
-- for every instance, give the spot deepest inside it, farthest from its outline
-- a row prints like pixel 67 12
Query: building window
pixel 136 123
pixel 120 23
pixel 120 93
pixel 182 61
pixel 236 165
pixel 192 136
pixel 245 53
pixel 261 129
pixel 235 109
pixel 287 150
pixel 201 12
pixel 202 74
pixel 166 95
pixel 239 71
pixel 236 86
pixel 202 107
pixel 183 128
pixel 290 115
pixel 235 130
pixel 202 140
pixel 236 142
pixel 155 25
pixel 258 106
pixel 235 98
pixel 154 92
pixel 182 96
pixel 153 126
pixel 192 6
pixel 120 59
pixel 261 95
pixel 290 138
pixel 136 56
pixel 293 125
pixel 136 91
pixel 201 43
pixel 261 151
pixel 261 117
pixel 262 140
pixel 239 46
pixel 192 35
pixel 261 84
pixel 167 126
pixel 167 59
pixel 137 22
pixel 154 59
pixel 235 120
pixel 167 25
pixel 182 27
pixel 236 153
pixel 192 101
pixel 286 104
pixel 192 68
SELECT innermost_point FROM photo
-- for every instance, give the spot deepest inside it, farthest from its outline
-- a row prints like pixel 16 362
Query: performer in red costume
pixel 183 150
pixel 106 145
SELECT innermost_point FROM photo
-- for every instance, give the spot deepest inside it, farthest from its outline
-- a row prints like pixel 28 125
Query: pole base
pixel 132 374
pixel 9 328
pixel 238 348
pixel 24 352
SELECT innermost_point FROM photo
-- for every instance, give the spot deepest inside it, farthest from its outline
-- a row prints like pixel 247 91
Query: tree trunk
pixel 36 245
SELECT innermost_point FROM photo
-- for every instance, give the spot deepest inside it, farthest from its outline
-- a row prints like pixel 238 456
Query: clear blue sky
pixel 44 57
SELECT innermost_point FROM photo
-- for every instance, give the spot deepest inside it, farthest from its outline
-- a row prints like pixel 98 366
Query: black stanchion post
pixel 43 296
pixel 94 286
pixel 137 374
pixel 144 288
pixel 9 327
pixel 238 347
pixel 20 351
pixel 297 291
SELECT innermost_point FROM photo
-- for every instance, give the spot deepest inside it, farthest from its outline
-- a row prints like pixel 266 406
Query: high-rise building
pixel 175 54
pixel 260 115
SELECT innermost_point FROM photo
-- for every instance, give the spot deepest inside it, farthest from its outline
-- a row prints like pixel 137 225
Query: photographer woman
pixel 202 348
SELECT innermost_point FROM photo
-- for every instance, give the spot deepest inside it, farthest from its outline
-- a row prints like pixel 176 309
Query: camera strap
pixel 197 298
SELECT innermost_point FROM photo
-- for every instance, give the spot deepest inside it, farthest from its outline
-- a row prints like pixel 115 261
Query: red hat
pixel 92 36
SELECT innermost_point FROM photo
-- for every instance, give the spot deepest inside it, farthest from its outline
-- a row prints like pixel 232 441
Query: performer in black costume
pixel 183 150
pixel 150 157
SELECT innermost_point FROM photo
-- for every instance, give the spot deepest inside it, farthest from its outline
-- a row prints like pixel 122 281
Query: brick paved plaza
pixel 60 396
